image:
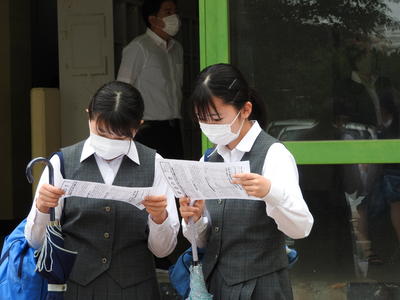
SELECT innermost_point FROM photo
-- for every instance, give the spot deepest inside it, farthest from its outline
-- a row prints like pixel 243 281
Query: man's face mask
pixel 172 24
pixel 109 149
pixel 220 134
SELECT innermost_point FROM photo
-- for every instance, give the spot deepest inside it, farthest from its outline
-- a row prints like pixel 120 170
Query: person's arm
pixel 163 235
pixel 37 220
pixel 201 228
pixel 279 187
pixel 284 201
pixel 133 60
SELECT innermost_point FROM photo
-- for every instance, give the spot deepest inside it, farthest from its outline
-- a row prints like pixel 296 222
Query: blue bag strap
pixel 5 255
pixel 21 259
pixel 186 253
pixel 208 153
pixel 181 259
pixel 7 252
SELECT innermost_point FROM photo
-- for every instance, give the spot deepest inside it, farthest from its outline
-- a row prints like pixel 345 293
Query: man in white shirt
pixel 153 63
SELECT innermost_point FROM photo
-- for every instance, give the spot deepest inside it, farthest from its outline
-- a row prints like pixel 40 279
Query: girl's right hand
pixel 187 211
pixel 48 197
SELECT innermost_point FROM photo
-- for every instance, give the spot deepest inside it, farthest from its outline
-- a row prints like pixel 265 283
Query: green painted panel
pixel 214 38
pixel 345 152
pixel 214 32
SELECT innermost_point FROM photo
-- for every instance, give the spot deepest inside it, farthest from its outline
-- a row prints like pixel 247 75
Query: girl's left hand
pixel 254 184
pixel 156 206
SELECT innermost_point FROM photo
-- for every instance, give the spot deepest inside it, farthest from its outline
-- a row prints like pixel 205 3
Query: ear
pixel 141 122
pixel 155 22
pixel 247 109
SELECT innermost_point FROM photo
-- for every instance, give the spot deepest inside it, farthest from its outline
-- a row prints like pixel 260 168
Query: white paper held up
pixel 86 189
pixel 205 180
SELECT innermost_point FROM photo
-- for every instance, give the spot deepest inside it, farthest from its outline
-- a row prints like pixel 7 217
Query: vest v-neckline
pixel 93 167
pixel 122 167
pixel 99 177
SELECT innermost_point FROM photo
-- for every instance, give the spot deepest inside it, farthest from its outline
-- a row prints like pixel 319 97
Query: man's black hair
pixel 151 8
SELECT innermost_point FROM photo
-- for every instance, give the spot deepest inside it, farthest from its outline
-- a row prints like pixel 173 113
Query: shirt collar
pixel 246 143
pixel 159 41
pixel 88 151
pixel 356 78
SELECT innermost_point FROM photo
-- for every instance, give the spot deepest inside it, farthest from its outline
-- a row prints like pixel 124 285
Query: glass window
pixel 331 70
pixel 324 66
pixel 353 248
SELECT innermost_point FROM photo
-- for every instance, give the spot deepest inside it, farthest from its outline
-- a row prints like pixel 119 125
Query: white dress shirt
pixel 155 68
pixel 162 237
pixel 284 202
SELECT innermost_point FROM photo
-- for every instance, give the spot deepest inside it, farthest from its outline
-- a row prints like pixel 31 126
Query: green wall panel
pixel 214 38
pixel 345 152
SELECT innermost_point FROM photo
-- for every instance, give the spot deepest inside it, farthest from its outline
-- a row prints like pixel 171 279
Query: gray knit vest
pixel 244 242
pixel 110 236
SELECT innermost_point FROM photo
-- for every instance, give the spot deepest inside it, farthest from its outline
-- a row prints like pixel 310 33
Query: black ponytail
pixel 259 111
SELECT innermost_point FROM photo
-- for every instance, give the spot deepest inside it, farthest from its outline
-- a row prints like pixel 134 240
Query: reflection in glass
pixel 355 238
pixel 303 57
pixel 366 207
pixel 365 100
pixel 331 70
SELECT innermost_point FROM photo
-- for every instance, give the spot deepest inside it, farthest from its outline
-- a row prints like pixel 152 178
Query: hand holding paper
pixel 156 206
pixel 187 211
pixel 255 184
pixel 48 197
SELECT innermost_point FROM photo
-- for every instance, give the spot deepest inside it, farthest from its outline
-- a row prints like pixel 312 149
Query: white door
pixel 86 60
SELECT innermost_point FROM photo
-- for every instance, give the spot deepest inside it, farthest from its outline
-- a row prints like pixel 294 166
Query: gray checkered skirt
pixel 105 288
pixel 273 286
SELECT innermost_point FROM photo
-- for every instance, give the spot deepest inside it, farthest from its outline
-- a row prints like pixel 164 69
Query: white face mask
pixel 109 148
pixel 172 24
pixel 220 134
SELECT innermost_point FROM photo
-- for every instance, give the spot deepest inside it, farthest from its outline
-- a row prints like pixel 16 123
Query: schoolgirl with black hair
pixel 115 241
pixel 245 254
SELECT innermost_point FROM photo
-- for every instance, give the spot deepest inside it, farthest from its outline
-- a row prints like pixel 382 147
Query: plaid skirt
pixel 273 286
pixel 105 288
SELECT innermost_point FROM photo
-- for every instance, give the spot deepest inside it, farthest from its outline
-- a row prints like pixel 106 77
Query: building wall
pixel 20 85
pixel 15 84
pixel 5 118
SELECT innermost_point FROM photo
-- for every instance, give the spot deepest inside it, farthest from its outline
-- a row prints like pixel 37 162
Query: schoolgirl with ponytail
pixel 244 240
